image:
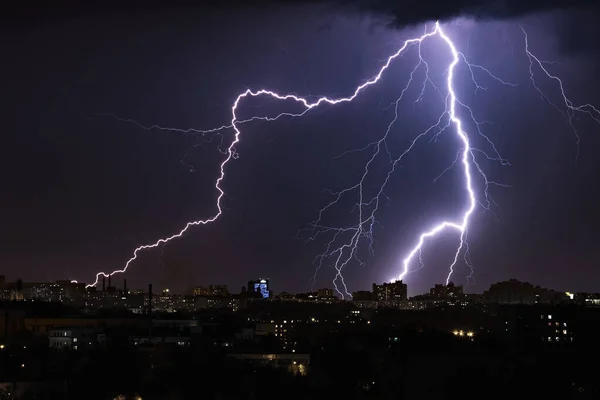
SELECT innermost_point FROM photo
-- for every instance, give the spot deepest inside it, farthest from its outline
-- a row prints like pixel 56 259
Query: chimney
pixel 104 283
pixel 149 299
pixel 150 313
pixel 125 286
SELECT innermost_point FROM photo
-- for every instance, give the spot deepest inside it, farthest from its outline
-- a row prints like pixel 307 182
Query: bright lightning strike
pixel 343 253
pixel 367 208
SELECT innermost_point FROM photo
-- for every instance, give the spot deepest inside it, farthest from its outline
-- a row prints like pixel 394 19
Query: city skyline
pixel 95 188
pixel 395 291
pixel 287 198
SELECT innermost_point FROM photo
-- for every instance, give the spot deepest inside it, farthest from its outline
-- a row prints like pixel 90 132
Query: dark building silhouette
pixel 363 295
pixel 514 291
pixel 393 291
pixel 449 291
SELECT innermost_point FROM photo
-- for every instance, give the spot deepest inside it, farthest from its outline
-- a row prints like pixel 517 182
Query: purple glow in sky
pixel 344 252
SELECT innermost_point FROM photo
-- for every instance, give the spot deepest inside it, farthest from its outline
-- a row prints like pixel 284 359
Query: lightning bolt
pixel 570 108
pixel 467 158
pixel 344 253
pixel 366 207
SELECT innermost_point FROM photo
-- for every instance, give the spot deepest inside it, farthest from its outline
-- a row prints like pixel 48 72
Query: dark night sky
pixel 81 191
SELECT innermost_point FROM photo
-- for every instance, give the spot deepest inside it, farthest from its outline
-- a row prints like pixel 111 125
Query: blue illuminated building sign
pixel 262 286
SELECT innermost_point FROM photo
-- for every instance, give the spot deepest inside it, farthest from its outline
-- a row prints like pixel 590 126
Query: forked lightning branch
pixel 342 247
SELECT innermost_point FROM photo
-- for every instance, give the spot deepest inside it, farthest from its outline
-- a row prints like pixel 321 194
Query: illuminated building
pixel 285 296
pixel 212 290
pixel 261 286
pixel 587 299
pixel 201 291
pixel 41 327
pixel 60 291
pixel 287 332
pixel 582 298
pixel 354 316
pixel 393 291
pixel 449 291
pixel 365 303
pixel 413 305
pixel 555 329
pixel 163 302
pixel 308 296
pixel 183 303
pixel 325 294
pixel 71 338
pixel 208 302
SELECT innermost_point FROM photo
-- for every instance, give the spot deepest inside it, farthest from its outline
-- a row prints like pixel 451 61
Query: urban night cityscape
pixel 367 199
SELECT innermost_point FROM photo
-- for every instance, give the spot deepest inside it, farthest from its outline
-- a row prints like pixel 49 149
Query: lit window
pixel 74 347
pixel 549 339
pixel 74 340
pixel 565 324
pixel 549 316
pixel 556 338
pixel 564 331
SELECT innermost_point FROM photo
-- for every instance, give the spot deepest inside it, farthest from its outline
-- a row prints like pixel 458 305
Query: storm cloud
pixel 398 13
